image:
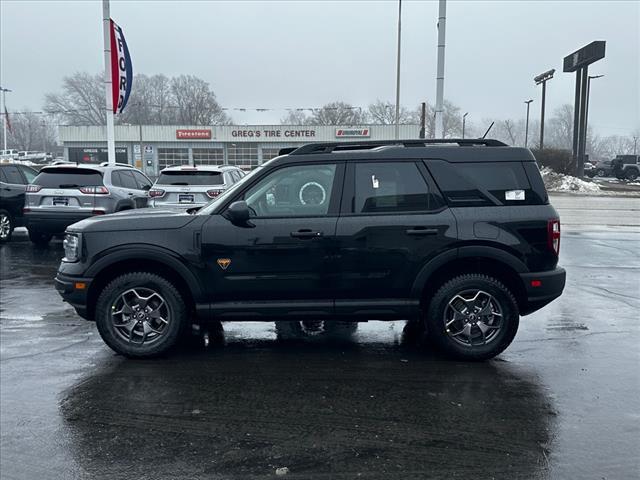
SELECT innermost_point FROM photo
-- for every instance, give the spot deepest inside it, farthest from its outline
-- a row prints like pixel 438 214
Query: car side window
pixel 127 180
pixel 390 187
pixel 29 174
pixel 3 178
pixel 13 175
pixel 143 182
pixel 115 179
pixel 294 191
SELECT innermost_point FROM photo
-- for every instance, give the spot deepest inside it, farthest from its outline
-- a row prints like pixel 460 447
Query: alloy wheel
pixel 473 318
pixel 5 226
pixel 140 316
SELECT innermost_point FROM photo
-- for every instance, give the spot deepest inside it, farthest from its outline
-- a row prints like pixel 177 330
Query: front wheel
pixel 140 315
pixel 473 317
pixel 6 226
pixel 632 175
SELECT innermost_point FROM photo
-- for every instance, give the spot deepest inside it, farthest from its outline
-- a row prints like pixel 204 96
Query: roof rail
pixel 328 147
pixel 107 164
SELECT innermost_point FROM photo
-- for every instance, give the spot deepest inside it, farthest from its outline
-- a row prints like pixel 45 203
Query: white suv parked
pixel 188 186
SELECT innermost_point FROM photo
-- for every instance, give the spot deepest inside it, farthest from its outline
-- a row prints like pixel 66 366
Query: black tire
pixel 600 172
pixel 6 226
pixel 172 332
pixel 496 342
pixel 632 175
pixel 335 330
pixel 39 239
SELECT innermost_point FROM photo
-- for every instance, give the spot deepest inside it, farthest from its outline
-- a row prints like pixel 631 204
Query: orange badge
pixel 224 263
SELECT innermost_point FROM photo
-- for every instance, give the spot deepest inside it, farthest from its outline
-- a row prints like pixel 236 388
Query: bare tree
pixel 384 113
pixel 338 113
pixel 295 117
pixel 81 101
pixel 559 128
pixel 30 131
pixel 196 103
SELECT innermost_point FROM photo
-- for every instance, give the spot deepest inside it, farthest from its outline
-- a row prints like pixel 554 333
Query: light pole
pixel 398 72
pixel 526 128
pixel 4 112
pixel 542 79
pixel 464 122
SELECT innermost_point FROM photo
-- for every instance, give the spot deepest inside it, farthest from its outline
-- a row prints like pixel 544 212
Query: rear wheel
pixel 600 172
pixel 6 226
pixel 40 239
pixel 472 317
pixel 140 315
pixel 632 175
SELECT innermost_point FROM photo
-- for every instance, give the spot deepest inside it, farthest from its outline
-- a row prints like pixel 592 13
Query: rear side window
pixel 143 182
pixel 68 178
pixel 486 183
pixel 12 175
pixel 193 177
pixel 390 187
pixel 127 180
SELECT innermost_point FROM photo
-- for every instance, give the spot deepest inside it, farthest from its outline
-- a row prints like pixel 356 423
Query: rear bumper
pixel 66 286
pixel 53 222
pixel 542 288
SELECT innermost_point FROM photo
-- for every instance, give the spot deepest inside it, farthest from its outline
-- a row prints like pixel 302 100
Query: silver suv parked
pixel 188 186
pixel 66 193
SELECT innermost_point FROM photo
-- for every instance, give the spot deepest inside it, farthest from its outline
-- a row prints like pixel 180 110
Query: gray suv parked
pixel 64 194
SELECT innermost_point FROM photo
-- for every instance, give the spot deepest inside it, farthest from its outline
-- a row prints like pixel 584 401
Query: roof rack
pixel 329 147
pixel 107 164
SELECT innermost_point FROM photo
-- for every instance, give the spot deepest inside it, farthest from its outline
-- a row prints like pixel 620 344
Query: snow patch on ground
pixel 558 182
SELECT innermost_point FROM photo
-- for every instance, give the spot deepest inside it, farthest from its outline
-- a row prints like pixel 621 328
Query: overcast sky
pixel 305 53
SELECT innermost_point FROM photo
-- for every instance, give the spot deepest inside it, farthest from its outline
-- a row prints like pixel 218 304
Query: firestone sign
pixel 184 134
pixel 353 132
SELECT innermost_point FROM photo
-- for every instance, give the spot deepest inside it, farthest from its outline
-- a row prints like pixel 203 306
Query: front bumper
pixel 542 288
pixel 53 222
pixel 74 291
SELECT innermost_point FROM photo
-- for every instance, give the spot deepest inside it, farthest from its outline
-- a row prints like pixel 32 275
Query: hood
pixel 137 219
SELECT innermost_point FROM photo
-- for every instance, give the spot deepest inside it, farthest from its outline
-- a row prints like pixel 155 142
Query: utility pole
pixel 526 128
pixel 108 88
pixel 464 122
pixel 4 113
pixel 398 72
pixel 542 79
pixel 635 145
pixel 442 23
pixel 423 120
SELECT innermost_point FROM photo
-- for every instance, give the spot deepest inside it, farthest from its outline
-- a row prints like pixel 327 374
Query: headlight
pixel 71 245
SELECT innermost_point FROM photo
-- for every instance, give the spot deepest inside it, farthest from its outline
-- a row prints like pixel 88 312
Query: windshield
pixel 209 207
pixel 190 177
pixel 67 178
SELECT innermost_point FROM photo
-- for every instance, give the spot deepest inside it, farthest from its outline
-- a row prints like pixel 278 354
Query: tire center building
pixel 152 148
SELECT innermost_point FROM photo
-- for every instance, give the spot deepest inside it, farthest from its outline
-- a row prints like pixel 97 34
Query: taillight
pixel 553 235
pixel 99 190
pixel 33 188
pixel 155 193
pixel 213 193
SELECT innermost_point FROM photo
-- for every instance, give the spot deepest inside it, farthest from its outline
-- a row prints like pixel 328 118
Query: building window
pixel 208 156
pixel 269 152
pixel 243 155
pixel 172 156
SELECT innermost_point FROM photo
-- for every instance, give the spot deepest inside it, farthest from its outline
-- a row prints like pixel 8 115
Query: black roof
pixel 451 150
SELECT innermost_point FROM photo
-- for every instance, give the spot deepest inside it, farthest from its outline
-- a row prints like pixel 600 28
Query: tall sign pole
pixel 398 72
pixel 442 23
pixel 108 86
pixel 542 79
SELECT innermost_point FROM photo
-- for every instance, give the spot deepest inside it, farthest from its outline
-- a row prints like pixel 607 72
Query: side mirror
pixel 238 213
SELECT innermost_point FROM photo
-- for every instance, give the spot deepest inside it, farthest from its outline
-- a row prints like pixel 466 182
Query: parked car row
pixel 622 167
pixel 47 202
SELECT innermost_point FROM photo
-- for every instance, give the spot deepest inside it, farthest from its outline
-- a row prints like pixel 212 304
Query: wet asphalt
pixel 561 402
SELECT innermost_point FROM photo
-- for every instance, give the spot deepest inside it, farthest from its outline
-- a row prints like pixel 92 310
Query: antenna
pixel 488 129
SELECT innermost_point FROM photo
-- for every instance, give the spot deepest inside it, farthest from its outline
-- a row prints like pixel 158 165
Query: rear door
pixel 130 188
pixel 393 221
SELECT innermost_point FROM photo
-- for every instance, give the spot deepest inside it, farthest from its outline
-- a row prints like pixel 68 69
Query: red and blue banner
pixel 121 69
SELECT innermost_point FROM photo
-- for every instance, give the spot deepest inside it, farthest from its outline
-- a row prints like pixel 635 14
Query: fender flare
pixel 152 253
pixel 481 251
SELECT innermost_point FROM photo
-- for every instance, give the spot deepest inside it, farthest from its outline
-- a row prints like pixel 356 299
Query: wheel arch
pixel 471 259
pixel 147 259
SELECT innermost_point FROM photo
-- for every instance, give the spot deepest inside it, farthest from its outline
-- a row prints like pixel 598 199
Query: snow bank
pixel 558 182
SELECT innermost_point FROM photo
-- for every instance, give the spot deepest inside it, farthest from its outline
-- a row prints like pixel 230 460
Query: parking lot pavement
pixel 561 402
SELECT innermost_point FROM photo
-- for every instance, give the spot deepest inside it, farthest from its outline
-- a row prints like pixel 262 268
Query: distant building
pixel 153 147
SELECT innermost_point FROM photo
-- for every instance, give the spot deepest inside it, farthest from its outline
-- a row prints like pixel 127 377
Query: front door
pixel 285 255
pixel 393 222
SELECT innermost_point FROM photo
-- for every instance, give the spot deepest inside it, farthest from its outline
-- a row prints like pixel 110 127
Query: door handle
pixel 306 233
pixel 130 194
pixel 422 231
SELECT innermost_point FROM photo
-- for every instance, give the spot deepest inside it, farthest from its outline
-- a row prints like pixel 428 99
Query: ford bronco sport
pixel 457 235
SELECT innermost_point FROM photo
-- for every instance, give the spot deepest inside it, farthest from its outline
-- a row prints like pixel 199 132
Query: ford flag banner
pixel 121 69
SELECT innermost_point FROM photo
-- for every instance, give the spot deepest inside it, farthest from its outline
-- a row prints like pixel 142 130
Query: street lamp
pixel 542 79
pixel 526 128
pixel 464 122
pixel 4 112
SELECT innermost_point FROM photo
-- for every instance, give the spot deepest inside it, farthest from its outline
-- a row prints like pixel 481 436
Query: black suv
pixel 14 178
pixel 455 235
